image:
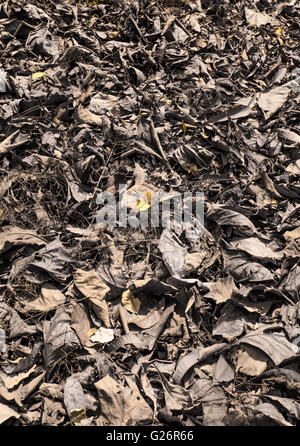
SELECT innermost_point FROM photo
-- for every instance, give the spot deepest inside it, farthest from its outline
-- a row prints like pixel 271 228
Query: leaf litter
pixel 109 325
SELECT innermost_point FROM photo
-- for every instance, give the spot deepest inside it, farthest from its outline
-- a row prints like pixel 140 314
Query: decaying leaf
pixel 102 335
pixel 130 302
pixel 15 236
pixel 221 291
pixel 270 411
pixel 193 358
pixel 271 101
pixel 256 18
pixel 149 215
pixel 58 338
pixel 95 290
pixel 274 345
pixel 74 400
pixel 51 298
pixel 121 406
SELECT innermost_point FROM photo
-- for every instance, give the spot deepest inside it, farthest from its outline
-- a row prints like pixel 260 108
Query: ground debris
pixel 115 118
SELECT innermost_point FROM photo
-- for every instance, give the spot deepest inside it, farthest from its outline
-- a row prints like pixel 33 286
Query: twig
pixel 100 178
pixel 137 27
pixel 168 23
pixel 157 141
pixel 183 27
pixel 6 145
pixel 123 319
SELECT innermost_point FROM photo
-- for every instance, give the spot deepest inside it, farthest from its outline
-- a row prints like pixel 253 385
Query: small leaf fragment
pixel 244 55
pixel 38 75
pixel 204 135
pixel 103 335
pixel 191 168
pixel 91 332
pixel 144 203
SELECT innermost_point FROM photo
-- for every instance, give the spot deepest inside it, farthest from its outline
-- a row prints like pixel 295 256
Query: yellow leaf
pixel 91 332
pixel 144 203
pixel 38 74
pixel 204 135
pixel 274 201
pixel 184 127
pixel 191 168
pixel 77 415
pixel 113 34
pixel 101 233
pixel 217 164
pixel 130 302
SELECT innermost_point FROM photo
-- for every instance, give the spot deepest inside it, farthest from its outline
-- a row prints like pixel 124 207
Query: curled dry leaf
pixel 130 302
pixel 74 400
pixel 15 236
pixel 191 302
pixel 185 364
pixel 275 345
pixel 58 338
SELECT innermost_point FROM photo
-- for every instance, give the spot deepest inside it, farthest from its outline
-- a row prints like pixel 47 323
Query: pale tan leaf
pixel 251 361
pixel 51 298
pixel 121 406
pixel 7 412
pixel 95 290
pixel 12 381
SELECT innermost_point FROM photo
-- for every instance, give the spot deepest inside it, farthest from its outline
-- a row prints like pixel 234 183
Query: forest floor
pixel 113 312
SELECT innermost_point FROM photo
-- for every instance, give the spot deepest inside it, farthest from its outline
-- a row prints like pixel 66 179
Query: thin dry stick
pixel 7 145
pixel 96 188
pixel 100 178
pixel 157 141
pixel 123 319
pixel 136 27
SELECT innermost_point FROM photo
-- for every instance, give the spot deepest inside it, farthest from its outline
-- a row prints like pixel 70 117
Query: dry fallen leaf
pixel 130 302
pixel 38 75
pixel 102 335
pixel 51 298
pixel 7 412
pixel 95 290
pixel 256 18
pixel 122 406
